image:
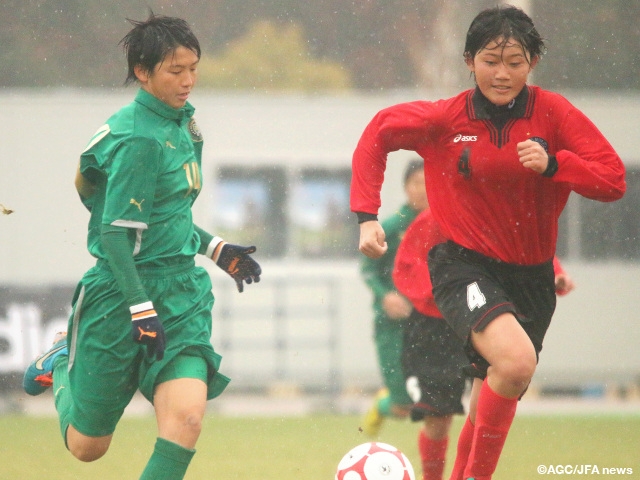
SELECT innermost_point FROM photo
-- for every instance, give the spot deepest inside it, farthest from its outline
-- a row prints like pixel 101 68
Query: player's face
pixel 501 70
pixel 173 78
pixel 416 192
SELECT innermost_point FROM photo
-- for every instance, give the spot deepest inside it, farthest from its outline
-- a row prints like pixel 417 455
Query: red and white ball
pixel 375 461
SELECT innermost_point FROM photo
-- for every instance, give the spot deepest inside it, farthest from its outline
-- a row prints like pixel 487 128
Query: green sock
pixel 384 406
pixel 169 461
pixel 61 393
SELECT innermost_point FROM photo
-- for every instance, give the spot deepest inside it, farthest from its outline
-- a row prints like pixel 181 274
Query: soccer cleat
pixel 39 374
pixel 373 419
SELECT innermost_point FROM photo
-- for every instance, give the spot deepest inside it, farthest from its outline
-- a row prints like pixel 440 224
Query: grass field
pixel 309 448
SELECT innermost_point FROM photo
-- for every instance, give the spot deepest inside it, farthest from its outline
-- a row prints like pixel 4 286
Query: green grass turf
pixel 309 448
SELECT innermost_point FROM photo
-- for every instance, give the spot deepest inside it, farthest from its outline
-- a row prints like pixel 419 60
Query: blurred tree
pixel 382 43
pixel 271 57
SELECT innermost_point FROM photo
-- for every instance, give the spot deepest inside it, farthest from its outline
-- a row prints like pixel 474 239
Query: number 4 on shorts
pixel 475 298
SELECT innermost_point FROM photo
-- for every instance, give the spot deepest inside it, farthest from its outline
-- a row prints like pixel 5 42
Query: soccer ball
pixel 375 461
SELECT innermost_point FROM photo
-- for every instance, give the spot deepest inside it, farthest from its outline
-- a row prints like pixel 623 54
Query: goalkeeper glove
pixel 146 329
pixel 236 261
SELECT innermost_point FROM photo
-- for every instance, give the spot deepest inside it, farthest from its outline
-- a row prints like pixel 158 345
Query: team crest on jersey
pixel 196 134
pixel 542 142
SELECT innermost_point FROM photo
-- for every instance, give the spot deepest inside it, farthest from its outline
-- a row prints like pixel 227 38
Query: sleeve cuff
pixel 214 248
pixel 552 167
pixel 366 217
pixel 142 310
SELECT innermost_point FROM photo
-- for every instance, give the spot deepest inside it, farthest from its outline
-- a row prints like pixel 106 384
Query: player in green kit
pixel 141 317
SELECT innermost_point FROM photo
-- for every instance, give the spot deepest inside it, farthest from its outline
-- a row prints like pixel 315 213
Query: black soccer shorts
pixel 432 361
pixel 471 290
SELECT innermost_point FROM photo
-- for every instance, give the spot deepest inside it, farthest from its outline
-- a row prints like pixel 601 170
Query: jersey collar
pixel 158 106
pixel 480 108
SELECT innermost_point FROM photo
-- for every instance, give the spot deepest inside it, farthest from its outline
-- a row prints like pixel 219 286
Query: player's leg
pixel 433 440
pixel 87 396
pixel 512 359
pixel 51 370
pixel 392 400
pixel 432 360
pixel 465 438
pixel 180 404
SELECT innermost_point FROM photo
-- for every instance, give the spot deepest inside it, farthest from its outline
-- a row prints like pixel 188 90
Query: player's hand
pixel 564 284
pixel 237 262
pixel 396 306
pixel 372 239
pixel 533 156
pixel 147 329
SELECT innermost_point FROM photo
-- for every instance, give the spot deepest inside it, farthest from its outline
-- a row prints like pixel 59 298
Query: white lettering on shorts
pixel 475 298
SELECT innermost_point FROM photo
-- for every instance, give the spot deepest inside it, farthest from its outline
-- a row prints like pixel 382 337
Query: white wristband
pixel 213 252
pixel 142 310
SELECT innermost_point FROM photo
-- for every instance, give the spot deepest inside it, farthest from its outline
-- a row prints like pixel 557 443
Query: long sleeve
pixel 117 249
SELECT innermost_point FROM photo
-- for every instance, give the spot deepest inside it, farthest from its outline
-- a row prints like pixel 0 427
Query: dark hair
pixel 412 167
pixel 503 22
pixel 151 40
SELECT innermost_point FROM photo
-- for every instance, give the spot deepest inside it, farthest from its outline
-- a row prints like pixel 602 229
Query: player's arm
pixel 84 186
pixel 233 259
pixel 586 161
pixel 404 126
pixel 145 325
pixel 372 239
pixel 372 273
pixel 563 281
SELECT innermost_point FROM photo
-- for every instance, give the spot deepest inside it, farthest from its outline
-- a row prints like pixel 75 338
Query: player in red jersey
pixel 433 356
pixel 500 162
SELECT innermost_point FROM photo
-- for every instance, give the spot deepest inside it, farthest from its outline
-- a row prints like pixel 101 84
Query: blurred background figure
pixel 391 309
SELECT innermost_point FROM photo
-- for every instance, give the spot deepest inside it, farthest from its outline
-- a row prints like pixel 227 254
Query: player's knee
pixel 193 423
pixel 86 452
pixel 518 369
pixel 190 421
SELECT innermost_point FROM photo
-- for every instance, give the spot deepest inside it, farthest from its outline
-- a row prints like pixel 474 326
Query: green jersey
pixel 145 163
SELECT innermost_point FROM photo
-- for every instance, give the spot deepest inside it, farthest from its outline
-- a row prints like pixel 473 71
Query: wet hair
pixel 503 23
pixel 149 41
pixel 412 167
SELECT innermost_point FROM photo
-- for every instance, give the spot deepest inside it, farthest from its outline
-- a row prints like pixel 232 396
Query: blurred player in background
pixel 500 162
pixel 433 359
pixel 141 316
pixel 390 308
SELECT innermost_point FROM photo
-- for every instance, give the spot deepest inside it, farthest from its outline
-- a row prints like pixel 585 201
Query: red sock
pixel 494 415
pixel 433 455
pixel 464 447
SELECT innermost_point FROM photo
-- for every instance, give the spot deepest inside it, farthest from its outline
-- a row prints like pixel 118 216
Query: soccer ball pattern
pixel 375 461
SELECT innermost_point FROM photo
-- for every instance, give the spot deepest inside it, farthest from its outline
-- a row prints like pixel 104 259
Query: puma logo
pixel 233 266
pixel 169 144
pixel 133 201
pixel 144 333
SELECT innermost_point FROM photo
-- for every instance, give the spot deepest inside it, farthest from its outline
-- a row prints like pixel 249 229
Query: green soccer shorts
pixel 106 366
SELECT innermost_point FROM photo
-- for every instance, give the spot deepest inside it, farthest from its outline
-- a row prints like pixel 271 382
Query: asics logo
pixel 41 360
pixel 465 138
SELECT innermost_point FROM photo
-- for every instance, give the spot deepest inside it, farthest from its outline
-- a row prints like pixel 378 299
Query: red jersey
pixel 480 194
pixel 411 272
